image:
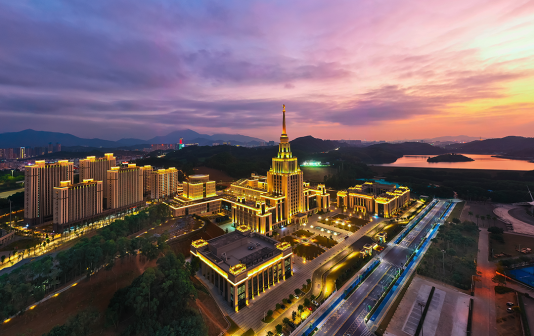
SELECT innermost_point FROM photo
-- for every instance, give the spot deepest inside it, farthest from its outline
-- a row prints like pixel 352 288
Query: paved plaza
pixel 447 314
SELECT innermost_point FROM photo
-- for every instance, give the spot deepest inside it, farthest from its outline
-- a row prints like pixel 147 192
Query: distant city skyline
pixel 375 70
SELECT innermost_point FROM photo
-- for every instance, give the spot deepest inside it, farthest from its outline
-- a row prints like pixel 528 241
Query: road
pixel 484 315
pixel 349 317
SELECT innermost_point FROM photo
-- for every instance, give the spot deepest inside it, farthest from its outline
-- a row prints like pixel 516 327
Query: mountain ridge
pixel 33 138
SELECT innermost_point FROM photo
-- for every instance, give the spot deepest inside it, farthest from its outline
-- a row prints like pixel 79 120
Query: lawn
pixel 456 212
pixel 456 265
pixel 290 240
pixel 351 228
pixel 22 244
pixel 511 244
pixel 324 241
pixel 301 233
pixel 342 271
pixel 340 216
pixel 308 251
pixel 392 230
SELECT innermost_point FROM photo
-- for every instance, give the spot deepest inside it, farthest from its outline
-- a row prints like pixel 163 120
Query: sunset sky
pixel 355 69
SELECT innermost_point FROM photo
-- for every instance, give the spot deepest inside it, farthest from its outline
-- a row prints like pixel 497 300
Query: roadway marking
pixel 361 301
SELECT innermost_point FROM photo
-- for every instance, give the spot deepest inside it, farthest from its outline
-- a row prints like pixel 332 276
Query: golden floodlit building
pixel 264 203
pixel 97 169
pixel 39 181
pixel 243 265
pixel 384 200
pixel 76 202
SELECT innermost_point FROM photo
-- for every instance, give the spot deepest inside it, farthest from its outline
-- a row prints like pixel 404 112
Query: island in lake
pixel 450 158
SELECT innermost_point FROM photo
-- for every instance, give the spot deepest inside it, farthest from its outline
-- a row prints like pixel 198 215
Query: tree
pixel 291 297
pixel 270 333
pixel 308 281
pixel 297 291
pixel 285 321
pixel 470 215
pixel 278 306
pixel 279 328
pixel 3 258
pixel 293 315
pixel 269 313
pixel 495 230
pixel 285 301
pixel 300 308
pixel 456 221
pixel 477 216
pixel 307 302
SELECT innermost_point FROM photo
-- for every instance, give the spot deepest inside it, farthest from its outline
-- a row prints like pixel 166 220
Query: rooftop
pixel 234 248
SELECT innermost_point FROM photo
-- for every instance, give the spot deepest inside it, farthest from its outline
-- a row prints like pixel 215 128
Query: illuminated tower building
pixel 147 179
pixel 285 177
pixel 97 169
pixel 164 183
pixel 39 182
pixel 125 186
pixel 76 202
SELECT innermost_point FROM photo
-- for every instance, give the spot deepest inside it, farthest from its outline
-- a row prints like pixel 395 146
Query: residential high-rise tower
pixel 125 186
pixel 97 169
pixel 76 202
pixel 39 181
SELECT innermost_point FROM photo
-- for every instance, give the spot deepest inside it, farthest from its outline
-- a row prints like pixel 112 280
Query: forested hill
pixel 310 144
pixel 497 146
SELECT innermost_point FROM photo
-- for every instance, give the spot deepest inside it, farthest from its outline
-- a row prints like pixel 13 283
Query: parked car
pixel 296 296
pixel 510 304
pixel 509 309
pixel 315 302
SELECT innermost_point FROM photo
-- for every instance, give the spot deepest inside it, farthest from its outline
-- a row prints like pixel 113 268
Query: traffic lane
pixel 346 309
pixel 397 256
pixel 369 300
pixel 364 298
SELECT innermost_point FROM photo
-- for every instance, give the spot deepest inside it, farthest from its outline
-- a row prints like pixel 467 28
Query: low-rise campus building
pixel 384 200
pixel 243 264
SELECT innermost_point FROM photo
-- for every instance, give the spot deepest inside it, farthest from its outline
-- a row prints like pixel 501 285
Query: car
pixel 509 304
pixel 296 296
pixel 509 309
pixel 292 324
pixel 315 302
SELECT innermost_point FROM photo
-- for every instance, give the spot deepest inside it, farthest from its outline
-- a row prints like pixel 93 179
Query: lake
pixel 481 162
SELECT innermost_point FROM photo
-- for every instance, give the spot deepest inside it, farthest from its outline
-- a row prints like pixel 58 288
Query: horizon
pixel 367 70
pixel 276 141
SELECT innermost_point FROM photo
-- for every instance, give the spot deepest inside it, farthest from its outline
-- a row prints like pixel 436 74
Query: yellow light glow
pixel 33 306
pixel 238 269
pixel 283 246
pixel 199 243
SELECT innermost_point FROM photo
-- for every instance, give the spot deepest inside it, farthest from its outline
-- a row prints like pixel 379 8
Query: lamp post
pixel 9 211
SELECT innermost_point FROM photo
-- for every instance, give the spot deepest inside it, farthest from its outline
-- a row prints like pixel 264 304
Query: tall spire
pixel 284 120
